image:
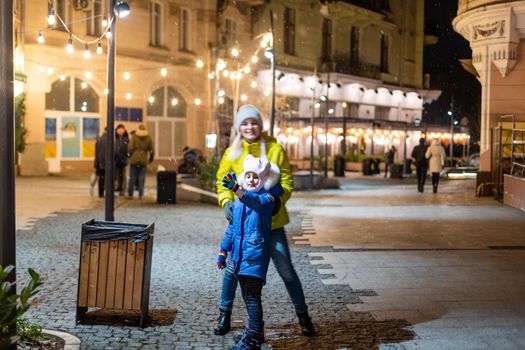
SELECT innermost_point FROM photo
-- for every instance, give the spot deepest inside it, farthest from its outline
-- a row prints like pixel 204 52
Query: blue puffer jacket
pixel 248 236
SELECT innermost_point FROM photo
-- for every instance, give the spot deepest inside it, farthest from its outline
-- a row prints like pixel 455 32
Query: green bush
pixel 207 173
pixel 12 305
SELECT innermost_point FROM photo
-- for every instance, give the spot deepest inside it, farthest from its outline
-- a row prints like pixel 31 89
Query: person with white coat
pixel 436 156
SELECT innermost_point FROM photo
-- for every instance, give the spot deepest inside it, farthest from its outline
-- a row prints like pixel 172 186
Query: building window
pixel 167 121
pixel 327 40
pixel 156 24
pixel 184 40
pixel 58 98
pixel 384 53
pixel 351 110
pixel 94 19
pixel 354 47
pixel 230 31
pixel 60 7
pixel 382 113
pixel 289 31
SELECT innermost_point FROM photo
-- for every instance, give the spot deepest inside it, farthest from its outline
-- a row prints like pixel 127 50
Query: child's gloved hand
pixel 221 259
pixel 230 182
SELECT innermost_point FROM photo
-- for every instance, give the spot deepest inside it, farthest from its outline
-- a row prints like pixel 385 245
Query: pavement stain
pixel 354 334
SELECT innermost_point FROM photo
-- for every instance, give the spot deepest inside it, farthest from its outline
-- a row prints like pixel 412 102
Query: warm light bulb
pixel 247 70
pixel 106 91
pixel 199 64
pixel 220 100
pixel 51 18
pixel 235 52
pixel 87 54
pixel 83 85
pixel 253 84
pixel 40 38
pixel 226 73
pixel 220 93
pixel 108 34
pixel 129 96
pixel 198 102
pixel 69 47
pixel 244 97
pixel 62 77
pixel 163 72
pixel 211 76
pixel 221 64
pixel 99 49
pixel 255 59
pixel 89 74
pixel 50 70
pixel 127 75
pixel 317 105
pixel 174 101
pixel 104 23
pixel 344 105
pixel 151 99
pixel 268 53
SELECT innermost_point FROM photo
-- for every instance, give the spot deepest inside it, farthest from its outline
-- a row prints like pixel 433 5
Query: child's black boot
pixel 307 327
pixel 223 324
pixel 251 340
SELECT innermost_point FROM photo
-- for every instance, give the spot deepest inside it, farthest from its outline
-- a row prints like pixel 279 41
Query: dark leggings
pixel 251 288
pixel 435 182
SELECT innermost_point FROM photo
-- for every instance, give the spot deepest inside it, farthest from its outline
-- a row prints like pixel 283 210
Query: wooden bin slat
pixel 121 274
pixel 84 274
pixel 130 273
pixel 102 273
pixel 139 274
pixel 93 272
pixel 112 274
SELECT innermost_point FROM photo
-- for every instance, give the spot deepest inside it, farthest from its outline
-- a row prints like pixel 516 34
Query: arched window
pixel 167 121
pixel 72 119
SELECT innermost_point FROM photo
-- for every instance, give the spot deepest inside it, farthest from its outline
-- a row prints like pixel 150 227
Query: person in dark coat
pixel 141 152
pixel 247 238
pixel 418 154
pixel 121 156
pixel 100 162
pixel 391 154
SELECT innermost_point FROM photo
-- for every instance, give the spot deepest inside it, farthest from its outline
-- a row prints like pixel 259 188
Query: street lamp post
pixel 7 146
pixel 451 114
pixel 272 113
pixel 119 9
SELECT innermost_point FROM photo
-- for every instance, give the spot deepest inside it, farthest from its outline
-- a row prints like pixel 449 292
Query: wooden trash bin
pixel 115 267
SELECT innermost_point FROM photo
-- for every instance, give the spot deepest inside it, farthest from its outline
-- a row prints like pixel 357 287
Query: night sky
pixel 441 62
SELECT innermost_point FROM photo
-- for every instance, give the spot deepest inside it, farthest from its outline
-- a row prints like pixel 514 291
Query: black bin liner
pixel 166 187
pixel 101 231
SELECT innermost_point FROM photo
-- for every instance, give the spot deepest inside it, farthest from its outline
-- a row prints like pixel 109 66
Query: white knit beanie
pixel 247 112
pixel 259 166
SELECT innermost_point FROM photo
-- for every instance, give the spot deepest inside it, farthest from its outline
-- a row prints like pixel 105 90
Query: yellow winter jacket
pixel 275 154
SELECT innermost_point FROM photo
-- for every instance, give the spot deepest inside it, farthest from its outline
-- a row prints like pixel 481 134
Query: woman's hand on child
pixel 221 259
pixel 230 182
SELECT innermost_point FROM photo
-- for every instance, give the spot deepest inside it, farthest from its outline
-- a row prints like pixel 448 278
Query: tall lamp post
pixel 7 146
pixel 120 9
pixel 272 113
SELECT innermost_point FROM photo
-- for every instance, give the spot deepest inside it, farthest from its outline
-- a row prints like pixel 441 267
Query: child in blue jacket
pixel 247 238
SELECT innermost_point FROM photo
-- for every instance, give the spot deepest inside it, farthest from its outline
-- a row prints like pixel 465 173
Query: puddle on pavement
pixel 340 335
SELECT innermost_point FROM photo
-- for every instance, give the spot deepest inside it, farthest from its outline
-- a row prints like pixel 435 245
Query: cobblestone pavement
pixel 184 278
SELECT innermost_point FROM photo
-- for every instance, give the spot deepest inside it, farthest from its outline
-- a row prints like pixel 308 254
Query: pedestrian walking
pixel 391 154
pixel 251 140
pixel 418 155
pixel 100 162
pixel 121 156
pixel 247 239
pixel 436 156
pixel 141 154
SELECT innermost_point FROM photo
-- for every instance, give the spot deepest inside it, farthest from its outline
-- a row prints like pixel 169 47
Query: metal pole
pixel 326 114
pixel 312 123
pixel 272 115
pixel 451 149
pixel 7 145
pixel 405 136
pixel 110 124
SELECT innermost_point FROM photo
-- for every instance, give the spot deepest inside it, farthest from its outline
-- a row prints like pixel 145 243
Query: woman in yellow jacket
pixel 251 140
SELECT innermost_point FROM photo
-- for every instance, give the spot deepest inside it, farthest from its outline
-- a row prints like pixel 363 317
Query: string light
pixel 51 17
pixel 50 70
pixel 83 85
pixel 211 76
pixel 99 49
pixel 255 59
pixel 174 101
pixel 253 84
pixel 247 70
pixel 69 47
pixel 163 72
pixel 198 102
pixel 106 91
pixel 87 54
pixel 127 75
pixel 220 100
pixel 244 97
pixel 40 38
pixel 344 105
pixel 235 52
pixel 151 99
pixel 129 96
pixel 104 23
pixel 62 77
pixel 226 73
pixel 220 93
pixel 89 74
pixel 199 64
pixel 221 64
pixel 108 34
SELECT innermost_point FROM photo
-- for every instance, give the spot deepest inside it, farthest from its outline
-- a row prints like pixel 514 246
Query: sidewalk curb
pixel 70 341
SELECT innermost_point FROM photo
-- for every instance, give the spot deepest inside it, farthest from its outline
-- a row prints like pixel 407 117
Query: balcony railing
pixel 361 69
pixel 467 5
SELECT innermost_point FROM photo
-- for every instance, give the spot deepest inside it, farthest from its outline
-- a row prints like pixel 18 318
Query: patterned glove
pixel 230 181
pixel 221 259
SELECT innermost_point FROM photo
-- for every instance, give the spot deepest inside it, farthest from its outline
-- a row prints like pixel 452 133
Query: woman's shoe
pixel 307 327
pixel 223 324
